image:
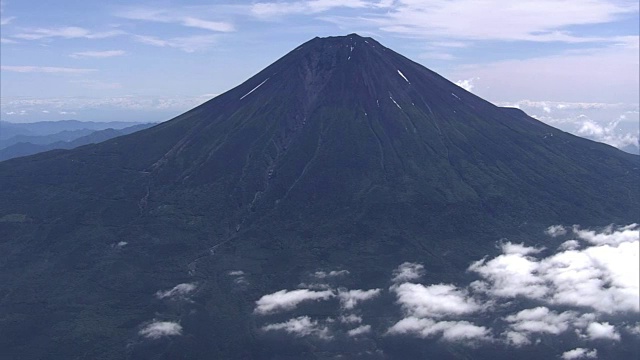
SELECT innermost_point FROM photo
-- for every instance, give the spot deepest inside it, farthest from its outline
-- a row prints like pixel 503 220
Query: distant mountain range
pixel 21 139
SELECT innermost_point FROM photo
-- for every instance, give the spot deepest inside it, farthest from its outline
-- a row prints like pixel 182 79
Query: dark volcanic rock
pixel 341 155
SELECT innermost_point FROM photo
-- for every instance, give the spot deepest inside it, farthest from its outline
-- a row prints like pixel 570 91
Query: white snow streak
pixel 404 77
pixel 254 89
pixel 456 96
pixel 395 103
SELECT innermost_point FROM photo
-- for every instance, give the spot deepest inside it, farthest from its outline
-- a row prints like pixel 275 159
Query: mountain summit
pixel 342 157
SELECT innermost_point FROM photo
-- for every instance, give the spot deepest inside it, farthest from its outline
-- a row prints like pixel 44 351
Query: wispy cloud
pixel 178 291
pixel 277 9
pixel 187 43
pixel 181 16
pixel 97 54
pixel 300 327
pixel 45 69
pixel 69 32
pixel 284 300
pixel 350 298
pixel 448 330
pixel 158 329
pixel 408 272
pixel 6 20
pixel 528 20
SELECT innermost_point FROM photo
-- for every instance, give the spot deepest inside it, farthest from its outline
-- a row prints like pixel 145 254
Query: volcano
pixel 324 172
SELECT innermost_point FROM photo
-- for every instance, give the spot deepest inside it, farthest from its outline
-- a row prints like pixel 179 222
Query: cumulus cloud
pixel 604 330
pixel 449 330
pixel 556 230
pixel 509 275
pixel 434 300
pixel 580 353
pixel 360 330
pixel 178 291
pixel 158 329
pixel 569 245
pixel 300 327
pixel 350 298
pixel 284 300
pixel 541 320
pixel 466 84
pixel 407 272
pixel 520 249
pixel 597 276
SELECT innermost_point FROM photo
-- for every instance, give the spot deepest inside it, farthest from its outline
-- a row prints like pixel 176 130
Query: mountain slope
pixel 341 155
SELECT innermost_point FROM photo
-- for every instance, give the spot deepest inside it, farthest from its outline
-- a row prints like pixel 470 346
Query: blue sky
pixel 150 61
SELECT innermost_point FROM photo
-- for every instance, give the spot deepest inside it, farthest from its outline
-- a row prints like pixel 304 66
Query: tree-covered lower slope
pixel 341 155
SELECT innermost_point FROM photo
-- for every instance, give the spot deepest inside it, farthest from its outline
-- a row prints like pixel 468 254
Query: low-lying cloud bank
pixel 586 287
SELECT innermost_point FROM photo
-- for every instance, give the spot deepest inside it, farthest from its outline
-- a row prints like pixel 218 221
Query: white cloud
pixel 70 32
pixel 178 291
pixel 611 123
pixel 284 300
pixel 509 248
pixel 360 330
pixel 349 299
pixel 181 16
pixel 569 245
pixel 449 330
pixel 45 69
pixel 529 20
pixel 350 319
pixel 98 54
pixel 541 320
pixel 610 235
pixel 188 43
pixel 407 272
pixel 434 300
pixel 158 329
pixel 277 9
pixel 466 84
pixel 556 230
pixel 580 353
pixel 603 276
pixel 236 273
pixel 300 327
pixel 120 244
pixel 509 275
pixel 333 273
pixel 604 330
pixel 7 41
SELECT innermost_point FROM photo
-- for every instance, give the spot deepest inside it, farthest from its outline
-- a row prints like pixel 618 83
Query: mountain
pixel 44 128
pixel 256 225
pixel 92 137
